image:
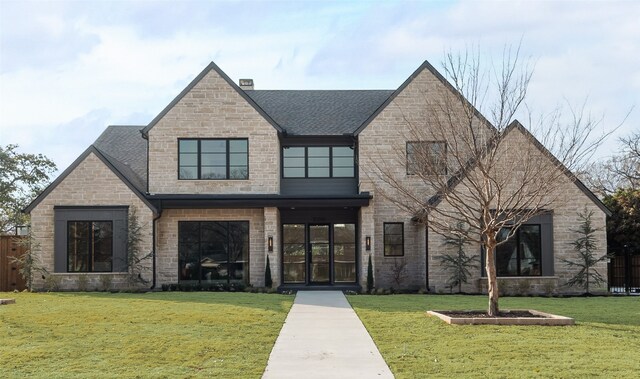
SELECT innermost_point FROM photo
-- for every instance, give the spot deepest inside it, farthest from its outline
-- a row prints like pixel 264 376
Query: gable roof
pixel 461 174
pixel 115 147
pixel 194 82
pixel 424 66
pixel 319 112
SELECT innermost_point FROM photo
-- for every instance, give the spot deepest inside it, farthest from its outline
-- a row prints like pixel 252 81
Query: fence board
pixel 10 278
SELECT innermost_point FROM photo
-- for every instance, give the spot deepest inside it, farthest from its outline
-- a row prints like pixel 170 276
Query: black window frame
pixel 519 253
pixel 410 169
pixel 199 153
pixel 247 279
pixel 331 167
pixel 547 242
pixel 117 214
pixel 90 268
pixel 384 234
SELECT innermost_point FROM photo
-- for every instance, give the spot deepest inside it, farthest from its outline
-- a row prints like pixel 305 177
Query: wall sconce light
pixel 367 243
pixel 270 243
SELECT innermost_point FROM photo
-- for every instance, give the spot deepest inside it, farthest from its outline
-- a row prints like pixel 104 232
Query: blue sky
pixel 70 68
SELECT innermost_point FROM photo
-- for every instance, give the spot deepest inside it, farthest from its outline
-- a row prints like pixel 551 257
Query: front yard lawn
pixel 605 342
pixel 155 335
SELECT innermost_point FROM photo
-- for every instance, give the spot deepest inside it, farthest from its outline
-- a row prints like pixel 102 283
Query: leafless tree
pixel 620 171
pixel 484 174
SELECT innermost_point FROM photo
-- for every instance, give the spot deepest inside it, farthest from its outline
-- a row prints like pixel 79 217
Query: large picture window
pixel 213 159
pixel 426 158
pixel 318 162
pixel 393 239
pixel 213 251
pixel 521 255
pixel 89 246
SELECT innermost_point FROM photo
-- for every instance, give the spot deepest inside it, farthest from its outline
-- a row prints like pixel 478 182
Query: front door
pixel 318 253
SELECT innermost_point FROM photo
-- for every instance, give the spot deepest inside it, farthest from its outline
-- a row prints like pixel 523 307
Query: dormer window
pixel 318 162
pixel 213 159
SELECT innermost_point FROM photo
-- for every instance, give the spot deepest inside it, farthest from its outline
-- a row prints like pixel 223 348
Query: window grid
pixel 213 159
pixel 393 239
pixel 433 152
pixel 309 162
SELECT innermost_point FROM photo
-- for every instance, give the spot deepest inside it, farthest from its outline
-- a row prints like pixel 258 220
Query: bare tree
pixel 484 174
pixel 620 171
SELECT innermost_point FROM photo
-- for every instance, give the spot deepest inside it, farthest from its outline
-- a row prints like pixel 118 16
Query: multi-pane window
pixel 393 239
pixel 426 158
pixel 213 251
pixel 521 254
pixel 89 246
pixel 318 162
pixel 213 159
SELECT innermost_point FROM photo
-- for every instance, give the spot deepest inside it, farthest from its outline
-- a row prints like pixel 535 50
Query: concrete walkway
pixel 323 338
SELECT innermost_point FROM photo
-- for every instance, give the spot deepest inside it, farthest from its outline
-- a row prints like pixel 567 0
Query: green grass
pixel 167 334
pixel 604 343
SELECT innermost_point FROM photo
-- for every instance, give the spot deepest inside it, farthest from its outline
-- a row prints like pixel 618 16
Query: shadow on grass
pixel 268 302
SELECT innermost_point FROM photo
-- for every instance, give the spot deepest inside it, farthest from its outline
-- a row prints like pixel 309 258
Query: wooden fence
pixel 10 278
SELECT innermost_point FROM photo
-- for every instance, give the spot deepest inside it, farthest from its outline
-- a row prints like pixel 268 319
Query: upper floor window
pixel 426 158
pixel 213 159
pixel 318 162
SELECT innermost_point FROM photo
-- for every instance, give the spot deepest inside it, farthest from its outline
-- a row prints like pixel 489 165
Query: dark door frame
pixel 308 260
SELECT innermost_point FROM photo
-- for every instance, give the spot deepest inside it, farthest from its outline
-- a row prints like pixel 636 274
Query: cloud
pixel 71 66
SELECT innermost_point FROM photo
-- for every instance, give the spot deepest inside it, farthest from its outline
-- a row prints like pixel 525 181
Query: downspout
pixel 153 244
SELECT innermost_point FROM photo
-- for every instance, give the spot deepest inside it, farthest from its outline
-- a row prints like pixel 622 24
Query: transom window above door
pixel 318 162
pixel 213 159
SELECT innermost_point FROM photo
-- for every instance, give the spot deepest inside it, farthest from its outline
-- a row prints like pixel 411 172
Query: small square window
pixel 426 158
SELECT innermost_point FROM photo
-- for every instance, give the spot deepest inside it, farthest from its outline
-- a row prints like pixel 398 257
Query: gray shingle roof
pixel 126 150
pixel 319 112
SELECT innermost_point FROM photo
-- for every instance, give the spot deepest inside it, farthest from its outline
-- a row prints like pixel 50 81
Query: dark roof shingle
pixel 126 150
pixel 319 112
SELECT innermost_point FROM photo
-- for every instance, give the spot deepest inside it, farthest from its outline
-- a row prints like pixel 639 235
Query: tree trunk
pixel 492 281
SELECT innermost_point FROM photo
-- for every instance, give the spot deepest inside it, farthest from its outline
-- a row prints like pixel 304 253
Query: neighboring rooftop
pixel 319 112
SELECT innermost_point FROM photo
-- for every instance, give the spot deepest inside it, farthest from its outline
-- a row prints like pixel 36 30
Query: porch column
pixel 367 229
pixel 272 229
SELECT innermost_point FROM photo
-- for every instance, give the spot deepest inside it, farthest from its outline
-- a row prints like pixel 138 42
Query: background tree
pixel 458 264
pixel 585 245
pixel 621 171
pixel 623 227
pixel 485 173
pixel 22 178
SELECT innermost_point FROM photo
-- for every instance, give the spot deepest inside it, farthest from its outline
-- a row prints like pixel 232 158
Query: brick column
pixel 272 228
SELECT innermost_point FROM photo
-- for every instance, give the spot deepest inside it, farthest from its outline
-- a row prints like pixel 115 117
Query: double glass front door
pixel 319 253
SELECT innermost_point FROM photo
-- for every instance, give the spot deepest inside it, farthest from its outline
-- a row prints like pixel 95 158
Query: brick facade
pixel 212 108
pixel 91 183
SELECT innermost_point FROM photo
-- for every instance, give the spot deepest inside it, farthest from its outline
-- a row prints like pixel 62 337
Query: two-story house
pixel 226 176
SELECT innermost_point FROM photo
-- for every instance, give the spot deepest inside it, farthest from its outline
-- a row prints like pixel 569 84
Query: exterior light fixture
pixel 270 244
pixel 367 243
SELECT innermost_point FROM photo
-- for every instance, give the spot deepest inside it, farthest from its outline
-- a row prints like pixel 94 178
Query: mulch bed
pixel 501 314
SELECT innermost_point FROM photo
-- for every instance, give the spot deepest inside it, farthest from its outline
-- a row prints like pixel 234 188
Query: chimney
pixel 246 84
